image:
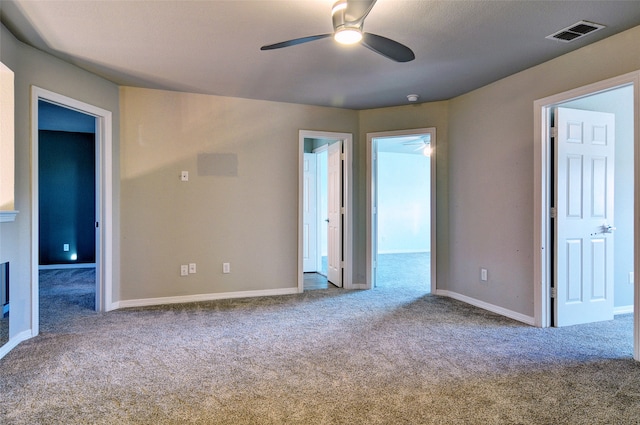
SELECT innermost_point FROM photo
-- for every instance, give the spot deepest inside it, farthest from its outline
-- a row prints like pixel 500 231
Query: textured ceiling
pixel 213 47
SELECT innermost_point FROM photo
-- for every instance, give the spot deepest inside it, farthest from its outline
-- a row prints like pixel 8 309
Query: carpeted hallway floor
pixel 385 356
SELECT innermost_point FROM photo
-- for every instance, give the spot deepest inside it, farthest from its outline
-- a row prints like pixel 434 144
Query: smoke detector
pixel 412 97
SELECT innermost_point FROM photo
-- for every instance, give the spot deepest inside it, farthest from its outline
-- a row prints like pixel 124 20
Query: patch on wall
pixel 218 164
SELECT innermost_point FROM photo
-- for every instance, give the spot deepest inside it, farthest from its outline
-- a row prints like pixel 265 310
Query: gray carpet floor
pixel 385 356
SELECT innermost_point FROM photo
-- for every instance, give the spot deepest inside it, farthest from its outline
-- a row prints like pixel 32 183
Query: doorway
pixel 324 241
pixel 585 267
pixel 401 209
pixel 67 213
pixel 102 206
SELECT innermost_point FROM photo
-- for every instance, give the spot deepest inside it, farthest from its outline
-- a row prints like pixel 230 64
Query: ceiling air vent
pixel 575 31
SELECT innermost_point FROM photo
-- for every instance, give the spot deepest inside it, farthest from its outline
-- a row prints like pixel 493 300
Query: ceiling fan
pixel 348 20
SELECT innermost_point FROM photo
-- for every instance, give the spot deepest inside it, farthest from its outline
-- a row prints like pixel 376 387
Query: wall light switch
pixel 631 278
pixel 226 267
pixel 484 275
pixel 65 247
pixel 184 176
pixel 192 268
pixel 184 270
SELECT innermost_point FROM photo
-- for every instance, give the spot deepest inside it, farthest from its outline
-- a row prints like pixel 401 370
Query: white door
pixel 584 173
pixel 310 220
pixel 334 204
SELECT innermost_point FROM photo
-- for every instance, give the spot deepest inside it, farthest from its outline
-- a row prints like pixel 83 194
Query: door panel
pixel 334 189
pixel 309 211
pixel 584 200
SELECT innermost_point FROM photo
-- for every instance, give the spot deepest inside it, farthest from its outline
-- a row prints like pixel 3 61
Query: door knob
pixel 607 228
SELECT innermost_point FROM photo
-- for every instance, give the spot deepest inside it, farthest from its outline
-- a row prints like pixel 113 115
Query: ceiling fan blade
pixel 295 41
pixel 357 10
pixel 387 47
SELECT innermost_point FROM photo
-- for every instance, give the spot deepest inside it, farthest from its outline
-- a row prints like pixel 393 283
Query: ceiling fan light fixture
pixel 347 35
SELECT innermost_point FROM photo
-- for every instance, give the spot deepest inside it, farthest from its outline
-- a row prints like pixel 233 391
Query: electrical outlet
pixel 65 247
pixel 184 270
pixel 226 267
pixel 192 268
pixel 184 176
pixel 484 275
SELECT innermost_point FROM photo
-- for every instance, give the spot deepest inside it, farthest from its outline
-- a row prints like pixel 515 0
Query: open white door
pixel 334 203
pixel 309 225
pixel 584 182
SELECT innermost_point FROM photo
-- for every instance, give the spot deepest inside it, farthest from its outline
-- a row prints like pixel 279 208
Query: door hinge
pixel 554 132
pixel 97 224
pixel 554 292
pixel 342 156
pixel 342 210
pixel 553 212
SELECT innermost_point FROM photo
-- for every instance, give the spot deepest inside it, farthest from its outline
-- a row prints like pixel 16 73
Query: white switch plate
pixel 226 267
pixel 65 247
pixel 184 270
pixel 192 268
pixel 184 176
pixel 484 275
pixel 631 278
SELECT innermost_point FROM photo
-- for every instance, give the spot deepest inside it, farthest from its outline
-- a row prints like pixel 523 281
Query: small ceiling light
pixel 348 35
pixel 412 97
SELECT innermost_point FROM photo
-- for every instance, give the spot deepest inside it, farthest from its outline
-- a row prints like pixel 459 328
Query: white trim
pixel 145 302
pixel 8 216
pixel 13 342
pixel 370 198
pixel 625 309
pixel 347 140
pixel 104 145
pixel 541 261
pixel 489 307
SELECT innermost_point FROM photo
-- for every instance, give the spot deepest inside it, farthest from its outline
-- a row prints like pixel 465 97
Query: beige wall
pixel 491 170
pixel 249 220
pixel 33 67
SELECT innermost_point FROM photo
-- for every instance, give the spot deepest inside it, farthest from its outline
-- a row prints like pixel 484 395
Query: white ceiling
pixel 213 46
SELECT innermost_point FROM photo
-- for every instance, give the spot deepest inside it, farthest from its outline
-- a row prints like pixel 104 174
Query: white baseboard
pixel 68 266
pixel 13 342
pixel 489 307
pixel 404 251
pixel 625 309
pixel 145 302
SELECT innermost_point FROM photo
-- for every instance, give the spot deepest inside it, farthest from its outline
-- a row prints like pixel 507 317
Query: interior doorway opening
pixel 102 242
pixel 324 235
pixel 401 210
pixel 575 185
pixel 67 212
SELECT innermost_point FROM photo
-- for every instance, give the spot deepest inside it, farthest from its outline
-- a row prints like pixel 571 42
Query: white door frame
pixel 347 164
pixel 542 242
pixel 104 210
pixel 370 198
